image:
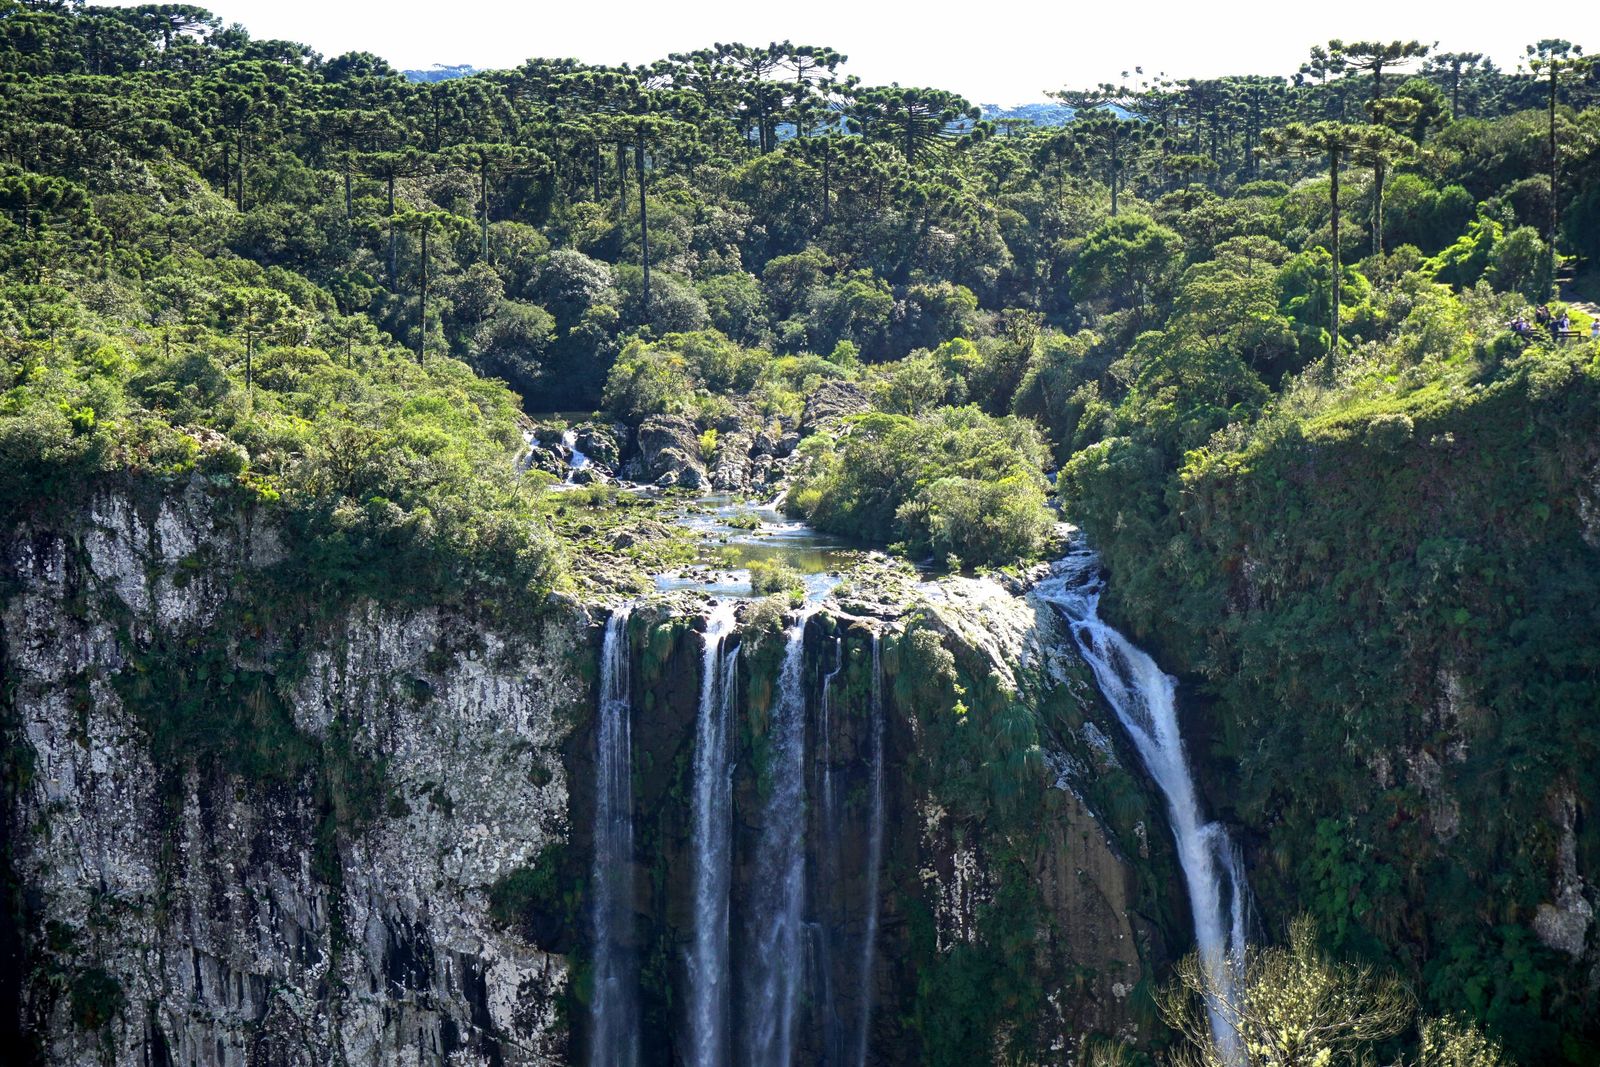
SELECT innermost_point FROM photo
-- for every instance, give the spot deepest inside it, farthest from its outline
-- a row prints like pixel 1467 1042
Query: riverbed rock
pixel 552 460
pixel 668 456
pixel 730 472
pixel 602 442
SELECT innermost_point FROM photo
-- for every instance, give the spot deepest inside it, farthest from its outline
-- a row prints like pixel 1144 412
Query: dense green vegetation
pixel 1260 329
pixel 955 482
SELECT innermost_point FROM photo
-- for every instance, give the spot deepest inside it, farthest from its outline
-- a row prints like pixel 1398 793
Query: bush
pixel 97 998
pixel 772 577
pixel 898 479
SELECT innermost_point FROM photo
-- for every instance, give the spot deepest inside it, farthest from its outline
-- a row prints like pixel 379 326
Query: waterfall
pixel 712 813
pixel 869 939
pixel 614 1040
pixel 828 873
pixel 774 934
pixel 569 438
pixel 1142 696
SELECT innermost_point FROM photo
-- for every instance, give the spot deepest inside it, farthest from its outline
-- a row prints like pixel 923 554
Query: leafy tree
pixel 1333 141
pixel 426 224
pixel 390 167
pixel 1293 1007
pixel 1555 62
pixel 1383 146
pixel 255 312
pixel 1128 262
pixel 491 162
pixel 1456 70
pixel 1375 57
pixel 915 120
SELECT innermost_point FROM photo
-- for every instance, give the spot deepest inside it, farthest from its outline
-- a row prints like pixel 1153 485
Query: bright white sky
pixel 991 51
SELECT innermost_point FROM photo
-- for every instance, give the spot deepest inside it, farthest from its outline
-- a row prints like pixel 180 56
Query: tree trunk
pixel 1113 173
pixel 827 155
pixel 644 226
pixel 555 163
pixel 239 203
pixel 1338 269
pixel 1555 212
pixel 394 271
pixel 347 211
pixel 483 198
pixel 1378 174
pixel 422 305
pixel 622 183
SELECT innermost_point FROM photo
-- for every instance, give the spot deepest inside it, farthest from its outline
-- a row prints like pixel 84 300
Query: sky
pixel 991 51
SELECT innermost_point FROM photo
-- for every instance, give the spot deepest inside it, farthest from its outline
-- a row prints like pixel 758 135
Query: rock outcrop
pixel 669 453
pixel 327 901
pixel 832 400
pixel 385 862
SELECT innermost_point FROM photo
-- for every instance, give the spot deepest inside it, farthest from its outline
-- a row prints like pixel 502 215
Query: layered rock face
pixel 1093 896
pixel 178 911
pixel 320 874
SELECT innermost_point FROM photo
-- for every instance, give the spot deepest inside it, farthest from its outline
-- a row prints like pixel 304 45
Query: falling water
pixel 828 875
pixel 713 844
pixel 1142 696
pixel 869 939
pixel 614 1008
pixel 774 935
pixel 569 438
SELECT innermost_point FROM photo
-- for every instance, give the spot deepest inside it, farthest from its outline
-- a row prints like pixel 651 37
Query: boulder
pixel 549 460
pixel 731 472
pixel 669 450
pixel 601 441
pixel 677 470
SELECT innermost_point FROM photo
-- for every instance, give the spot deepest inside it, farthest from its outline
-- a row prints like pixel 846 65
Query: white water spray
pixel 712 844
pixel 569 438
pixel 775 932
pixel 869 939
pixel 828 875
pixel 1142 696
pixel 615 1007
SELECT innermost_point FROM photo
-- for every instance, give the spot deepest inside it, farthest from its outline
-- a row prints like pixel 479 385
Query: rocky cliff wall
pixel 323 901
pixel 246 826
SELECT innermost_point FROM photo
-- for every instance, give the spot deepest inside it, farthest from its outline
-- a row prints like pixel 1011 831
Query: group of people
pixel 1557 326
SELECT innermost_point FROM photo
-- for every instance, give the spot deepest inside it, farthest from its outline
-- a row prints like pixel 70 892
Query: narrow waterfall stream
pixel 615 1005
pixel 869 938
pixel 569 438
pixel 828 873
pixel 1142 696
pixel 774 966
pixel 712 844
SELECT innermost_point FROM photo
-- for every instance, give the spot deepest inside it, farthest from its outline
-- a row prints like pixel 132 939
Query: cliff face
pixel 216 911
pixel 1029 926
pixel 1081 847
pixel 1394 617
pixel 246 829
